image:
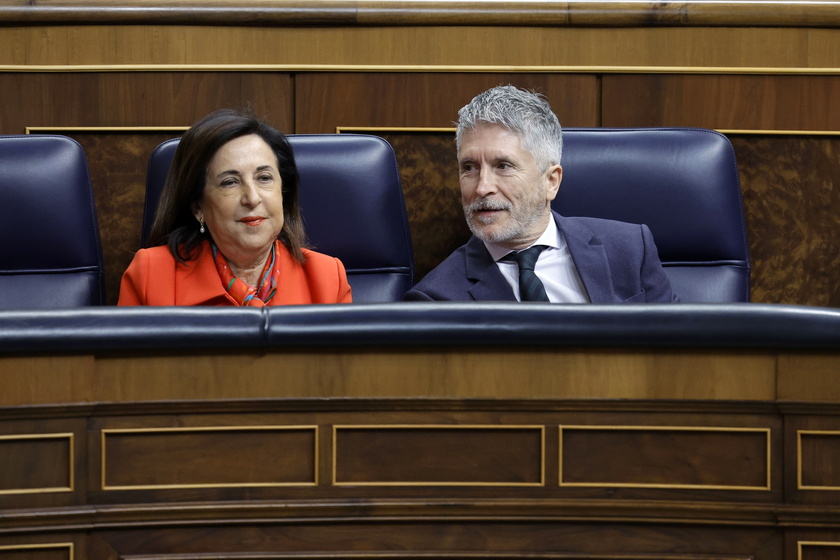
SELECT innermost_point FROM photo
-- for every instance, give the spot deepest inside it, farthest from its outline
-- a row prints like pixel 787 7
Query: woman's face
pixel 242 202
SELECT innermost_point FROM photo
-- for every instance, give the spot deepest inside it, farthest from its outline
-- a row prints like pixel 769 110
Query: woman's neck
pixel 249 272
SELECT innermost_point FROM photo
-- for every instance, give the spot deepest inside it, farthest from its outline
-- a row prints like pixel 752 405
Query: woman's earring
pixel 201 221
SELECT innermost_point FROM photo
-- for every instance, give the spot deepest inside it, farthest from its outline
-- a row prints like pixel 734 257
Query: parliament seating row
pixel 682 183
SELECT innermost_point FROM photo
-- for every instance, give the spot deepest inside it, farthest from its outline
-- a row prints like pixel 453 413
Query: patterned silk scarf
pixel 243 293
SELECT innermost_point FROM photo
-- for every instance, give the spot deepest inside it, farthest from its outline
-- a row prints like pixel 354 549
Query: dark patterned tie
pixel 530 287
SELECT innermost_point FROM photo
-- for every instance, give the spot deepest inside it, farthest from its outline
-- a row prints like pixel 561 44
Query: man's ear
pixel 554 176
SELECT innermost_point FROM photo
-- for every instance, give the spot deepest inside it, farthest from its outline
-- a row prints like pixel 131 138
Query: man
pixel 509 145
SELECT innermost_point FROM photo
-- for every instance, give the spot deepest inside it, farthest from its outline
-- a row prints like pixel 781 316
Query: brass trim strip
pixel 67 545
pixel 338 427
pixel 733 131
pixel 103 455
pixel 768 469
pixel 70 462
pixel 361 129
pixel 802 544
pixel 780 132
pixel 49 129
pixel 451 68
pixel 799 434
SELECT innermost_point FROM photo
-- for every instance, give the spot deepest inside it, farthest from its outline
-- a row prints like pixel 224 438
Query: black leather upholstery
pixel 683 183
pixel 50 255
pixel 432 325
pixel 352 204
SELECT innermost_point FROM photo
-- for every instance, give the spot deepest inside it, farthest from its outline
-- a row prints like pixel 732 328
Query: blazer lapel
pixel 198 283
pixel 480 268
pixel 590 259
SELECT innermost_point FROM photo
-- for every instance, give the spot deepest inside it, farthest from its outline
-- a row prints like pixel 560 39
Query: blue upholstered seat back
pixel 682 183
pixel 352 204
pixel 50 255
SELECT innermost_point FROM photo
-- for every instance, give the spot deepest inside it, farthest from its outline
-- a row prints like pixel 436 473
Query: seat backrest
pixel 352 203
pixel 683 184
pixel 51 255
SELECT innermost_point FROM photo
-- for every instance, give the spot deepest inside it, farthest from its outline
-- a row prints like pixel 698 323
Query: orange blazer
pixel 154 277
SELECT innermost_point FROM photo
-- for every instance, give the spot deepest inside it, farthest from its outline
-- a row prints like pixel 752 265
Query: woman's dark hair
pixel 175 224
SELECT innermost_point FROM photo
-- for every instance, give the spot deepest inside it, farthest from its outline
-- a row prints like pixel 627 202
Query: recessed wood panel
pixel 439 455
pixel 665 457
pixel 741 102
pixel 208 457
pixel 818 550
pixel 818 462
pixel 36 463
pixel 57 551
pixel 326 101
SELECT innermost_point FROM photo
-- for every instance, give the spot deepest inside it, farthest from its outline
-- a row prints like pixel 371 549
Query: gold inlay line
pixel 450 68
pixel 40 546
pixel 109 431
pixel 799 434
pixel 48 129
pixel 765 431
pixel 70 463
pixel 802 544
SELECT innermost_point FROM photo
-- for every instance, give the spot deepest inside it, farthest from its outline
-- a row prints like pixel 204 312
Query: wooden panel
pixel 467 538
pixel 326 101
pixel 36 463
pixel 57 551
pixel 462 47
pixel 439 455
pixel 818 550
pixel 46 379
pixel 740 102
pixel 147 458
pixel 665 457
pixel 810 377
pixel 819 460
pixel 110 99
pixel 465 374
pixel 792 205
pixel 812 443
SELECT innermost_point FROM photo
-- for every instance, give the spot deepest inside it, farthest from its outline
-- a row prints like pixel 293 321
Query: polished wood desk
pixel 421 430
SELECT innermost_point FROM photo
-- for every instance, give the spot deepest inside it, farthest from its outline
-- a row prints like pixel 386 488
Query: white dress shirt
pixel 554 268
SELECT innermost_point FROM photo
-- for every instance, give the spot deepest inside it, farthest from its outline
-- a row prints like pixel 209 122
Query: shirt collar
pixel 550 237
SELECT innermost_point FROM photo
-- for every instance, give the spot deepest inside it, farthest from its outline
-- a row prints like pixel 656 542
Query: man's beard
pixel 521 219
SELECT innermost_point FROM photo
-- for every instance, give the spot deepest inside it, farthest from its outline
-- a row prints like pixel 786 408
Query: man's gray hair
pixel 524 112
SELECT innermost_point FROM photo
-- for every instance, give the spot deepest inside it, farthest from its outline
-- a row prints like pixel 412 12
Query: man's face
pixel 506 197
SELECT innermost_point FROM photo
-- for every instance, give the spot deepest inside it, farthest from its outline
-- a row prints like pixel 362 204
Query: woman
pixel 228 226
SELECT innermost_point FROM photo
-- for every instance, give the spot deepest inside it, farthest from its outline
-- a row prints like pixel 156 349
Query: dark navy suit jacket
pixel 617 263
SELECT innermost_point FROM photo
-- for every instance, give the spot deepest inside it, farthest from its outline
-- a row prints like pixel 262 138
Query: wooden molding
pixel 757 13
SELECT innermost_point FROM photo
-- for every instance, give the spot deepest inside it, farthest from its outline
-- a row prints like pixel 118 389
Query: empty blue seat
pixel 683 183
pixel 50 255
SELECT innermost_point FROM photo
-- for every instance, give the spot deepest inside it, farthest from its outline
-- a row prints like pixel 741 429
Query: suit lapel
pixel 489 284
pixel 590 259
